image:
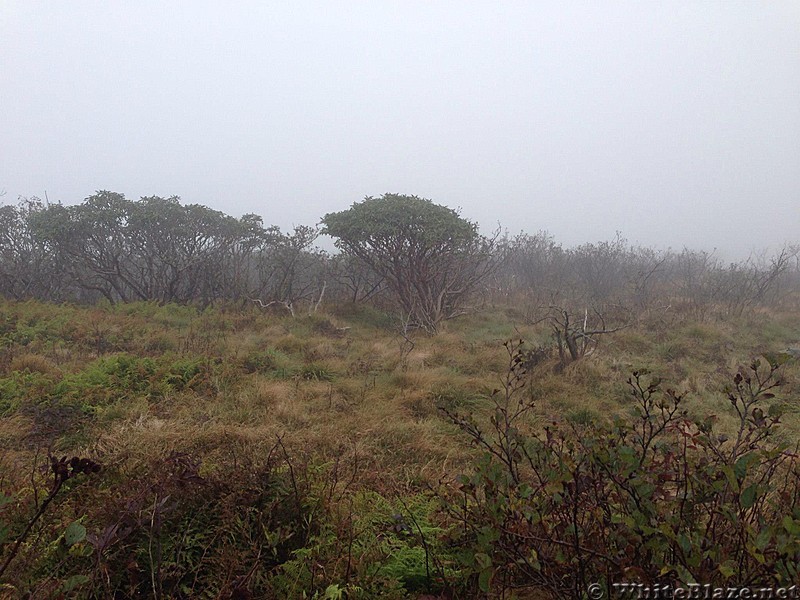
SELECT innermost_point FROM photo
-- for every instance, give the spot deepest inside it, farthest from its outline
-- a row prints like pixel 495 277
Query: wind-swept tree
pixel 430 257
pixel 180 252
pixel 89 237
pixel 28 266
pixel 151 249
pixel 289 271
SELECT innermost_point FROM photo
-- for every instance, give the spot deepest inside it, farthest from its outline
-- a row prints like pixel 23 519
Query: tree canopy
pixel 430 257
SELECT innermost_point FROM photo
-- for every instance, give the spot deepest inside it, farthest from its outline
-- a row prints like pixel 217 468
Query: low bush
pixel 658 497
pixel 274 527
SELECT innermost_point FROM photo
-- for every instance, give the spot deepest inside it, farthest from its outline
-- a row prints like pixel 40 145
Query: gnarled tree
pixel 28 267
pixel 429 257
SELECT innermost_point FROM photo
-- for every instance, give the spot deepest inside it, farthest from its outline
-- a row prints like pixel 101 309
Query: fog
pixel 674 123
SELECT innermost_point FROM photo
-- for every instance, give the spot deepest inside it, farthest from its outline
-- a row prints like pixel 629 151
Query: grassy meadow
pixel 249 454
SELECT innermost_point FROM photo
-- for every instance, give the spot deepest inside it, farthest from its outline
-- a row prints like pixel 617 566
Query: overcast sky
pixel 675 123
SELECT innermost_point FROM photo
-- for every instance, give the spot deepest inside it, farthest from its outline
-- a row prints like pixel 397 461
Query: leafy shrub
pixel 169 532
pixel 107 380
pixel 21 511
pixel 268 526
pixel 18 386
pixel 114 378
pixel 386 548
pixel 183 373
pixel 658 497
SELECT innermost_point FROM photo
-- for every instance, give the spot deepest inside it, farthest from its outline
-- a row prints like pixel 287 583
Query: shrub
pixel 19 386
pixel 107 380
pixel 113 378
pixel 658 497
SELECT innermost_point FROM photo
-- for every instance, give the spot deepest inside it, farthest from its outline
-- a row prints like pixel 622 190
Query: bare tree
pixel 577 336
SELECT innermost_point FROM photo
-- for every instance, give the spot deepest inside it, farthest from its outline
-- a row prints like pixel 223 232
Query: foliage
pixel 398 250
pixel 177 529
pixel 151 249
pixel 28 268
pixel 429 256
pixel 61 470
pixel 655 497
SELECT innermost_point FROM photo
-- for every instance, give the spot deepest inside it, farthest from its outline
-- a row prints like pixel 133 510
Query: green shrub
pixel 113 378
pixel 17 387
pixel 658 497
pixel 376 548
pixel 107 379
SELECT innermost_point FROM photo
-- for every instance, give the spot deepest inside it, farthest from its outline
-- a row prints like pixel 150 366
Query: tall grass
pixel 184 408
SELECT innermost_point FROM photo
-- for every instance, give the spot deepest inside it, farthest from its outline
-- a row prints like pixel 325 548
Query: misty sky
pixel 676 123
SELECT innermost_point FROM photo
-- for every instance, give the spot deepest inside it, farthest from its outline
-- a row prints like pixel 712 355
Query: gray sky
pixel 676 123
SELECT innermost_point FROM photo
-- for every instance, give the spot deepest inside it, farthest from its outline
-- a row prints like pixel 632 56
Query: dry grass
pixel 327 379
pixel 333 387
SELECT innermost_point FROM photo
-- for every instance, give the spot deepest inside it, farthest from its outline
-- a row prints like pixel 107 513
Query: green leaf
pixel 776 359
pixel 74 533
pixel 482 561
pixel 763 538
pixel 73 582
pixel 775 411
pixel 728 569
pixel 683 574
pixel 645 489
pixel 731 477
pixel 791 526
pixel 485 579
pixel 748 497
pixel 757 555
pixel 628 455
pixel 741 466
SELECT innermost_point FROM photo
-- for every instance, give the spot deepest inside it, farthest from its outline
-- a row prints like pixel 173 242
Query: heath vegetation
pixel 197 406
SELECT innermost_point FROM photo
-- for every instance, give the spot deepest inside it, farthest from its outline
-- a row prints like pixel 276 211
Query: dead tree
pixel 576 340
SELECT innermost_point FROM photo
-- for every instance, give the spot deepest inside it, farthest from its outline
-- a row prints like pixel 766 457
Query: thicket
pixel 278 525
pixel 157 249
pixel 657 498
